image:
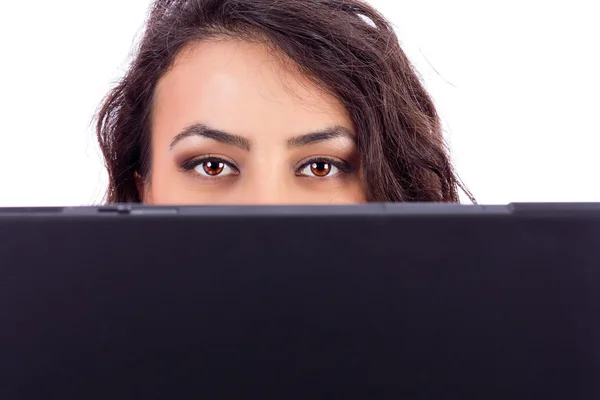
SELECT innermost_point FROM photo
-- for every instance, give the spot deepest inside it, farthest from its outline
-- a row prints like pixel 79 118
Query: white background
pixel 517 85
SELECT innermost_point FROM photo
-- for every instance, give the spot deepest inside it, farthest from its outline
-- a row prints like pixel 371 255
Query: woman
pixel 272 101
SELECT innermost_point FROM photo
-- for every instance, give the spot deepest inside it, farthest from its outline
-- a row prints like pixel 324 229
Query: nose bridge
pixel 266 183
pixel 265 191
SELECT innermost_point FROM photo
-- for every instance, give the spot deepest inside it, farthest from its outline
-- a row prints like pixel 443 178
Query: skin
pixel 233 123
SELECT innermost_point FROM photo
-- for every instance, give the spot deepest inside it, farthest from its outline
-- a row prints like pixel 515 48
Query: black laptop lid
pixel 375 301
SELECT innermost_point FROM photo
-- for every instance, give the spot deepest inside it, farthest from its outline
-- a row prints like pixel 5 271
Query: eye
pixel 322 168
pixel 210 167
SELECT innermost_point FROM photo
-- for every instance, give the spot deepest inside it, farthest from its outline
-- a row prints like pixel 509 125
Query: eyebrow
pixel 210 133
pixel 202 130
pixel 333 132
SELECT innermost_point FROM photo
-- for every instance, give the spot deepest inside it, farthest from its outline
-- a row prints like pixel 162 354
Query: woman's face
pixel 233 124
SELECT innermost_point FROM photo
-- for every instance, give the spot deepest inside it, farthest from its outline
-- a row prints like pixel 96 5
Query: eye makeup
pixel 323 163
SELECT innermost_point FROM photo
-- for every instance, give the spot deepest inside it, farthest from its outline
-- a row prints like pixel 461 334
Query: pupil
pixel 213 168
pixel 321 168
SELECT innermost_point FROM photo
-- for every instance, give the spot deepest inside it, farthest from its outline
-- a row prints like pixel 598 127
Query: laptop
pixel 394 301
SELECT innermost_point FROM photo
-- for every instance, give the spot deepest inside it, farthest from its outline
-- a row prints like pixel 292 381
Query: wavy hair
pixel 344 46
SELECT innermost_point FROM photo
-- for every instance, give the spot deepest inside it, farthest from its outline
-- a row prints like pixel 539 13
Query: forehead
pixel 242 87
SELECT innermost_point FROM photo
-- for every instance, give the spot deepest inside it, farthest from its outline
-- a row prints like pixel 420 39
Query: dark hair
pixel 345 46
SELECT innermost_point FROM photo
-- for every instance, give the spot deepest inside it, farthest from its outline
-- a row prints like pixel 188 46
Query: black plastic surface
pixel 374 304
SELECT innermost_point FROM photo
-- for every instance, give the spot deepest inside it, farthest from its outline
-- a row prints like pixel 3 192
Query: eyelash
pixel 189 165
pixel 344 167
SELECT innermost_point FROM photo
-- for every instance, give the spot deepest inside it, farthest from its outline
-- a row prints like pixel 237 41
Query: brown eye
pixel 320 169
pixel 213 168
